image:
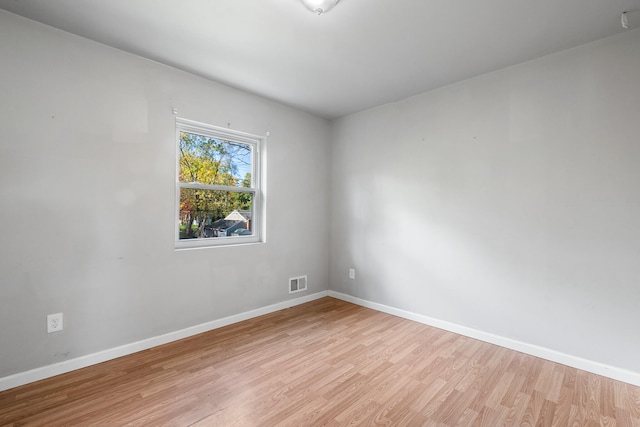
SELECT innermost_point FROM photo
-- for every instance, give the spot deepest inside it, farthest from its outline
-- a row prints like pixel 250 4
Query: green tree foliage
pixel 245 198
pixel 211 161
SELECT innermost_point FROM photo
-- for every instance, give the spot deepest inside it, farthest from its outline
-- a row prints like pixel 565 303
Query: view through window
pixel 218 190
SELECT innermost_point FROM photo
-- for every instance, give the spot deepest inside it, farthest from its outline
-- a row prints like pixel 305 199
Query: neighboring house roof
pixel 235 216
pixel 225 224
pixel 235 222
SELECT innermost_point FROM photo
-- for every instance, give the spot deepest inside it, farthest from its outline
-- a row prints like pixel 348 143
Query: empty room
pixel 320 212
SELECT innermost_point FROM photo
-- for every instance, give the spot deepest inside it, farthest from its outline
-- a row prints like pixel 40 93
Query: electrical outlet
pixel 54 323
pixel 352 273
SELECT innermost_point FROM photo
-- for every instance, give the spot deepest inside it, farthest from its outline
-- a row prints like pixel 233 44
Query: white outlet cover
pixel 352 273
pixel 54 322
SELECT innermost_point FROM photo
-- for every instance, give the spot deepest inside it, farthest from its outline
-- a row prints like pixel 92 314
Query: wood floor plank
pixel 327 363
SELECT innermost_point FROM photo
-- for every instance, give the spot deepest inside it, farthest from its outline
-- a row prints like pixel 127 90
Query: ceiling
pixel 361 54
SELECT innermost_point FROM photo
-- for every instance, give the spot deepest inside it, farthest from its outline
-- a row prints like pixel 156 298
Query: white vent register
pixel 297 284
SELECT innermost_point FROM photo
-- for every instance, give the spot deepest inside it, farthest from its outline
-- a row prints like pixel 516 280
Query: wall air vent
pixel 297 284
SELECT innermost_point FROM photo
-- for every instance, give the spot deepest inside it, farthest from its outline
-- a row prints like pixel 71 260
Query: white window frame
pixel 257 221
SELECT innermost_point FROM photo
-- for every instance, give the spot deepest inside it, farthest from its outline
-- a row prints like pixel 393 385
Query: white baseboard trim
pixel 619 374
pixel 37 374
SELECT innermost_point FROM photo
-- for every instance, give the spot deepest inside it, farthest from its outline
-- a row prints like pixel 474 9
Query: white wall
pixel 508 203
pixel 87 189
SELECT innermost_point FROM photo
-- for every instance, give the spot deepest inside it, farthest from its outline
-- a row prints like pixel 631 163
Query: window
pixel 218 193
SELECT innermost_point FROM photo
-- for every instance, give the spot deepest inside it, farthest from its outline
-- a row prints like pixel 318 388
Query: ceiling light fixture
pixel 319 6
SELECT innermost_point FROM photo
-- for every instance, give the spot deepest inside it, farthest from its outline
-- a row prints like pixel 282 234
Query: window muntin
pixel 217 186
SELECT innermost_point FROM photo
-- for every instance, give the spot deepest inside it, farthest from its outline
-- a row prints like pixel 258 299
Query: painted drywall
pixel 87 169
pixel 507 203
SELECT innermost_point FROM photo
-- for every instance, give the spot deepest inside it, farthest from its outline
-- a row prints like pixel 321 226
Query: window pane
pixel 215 213
pixel 214 161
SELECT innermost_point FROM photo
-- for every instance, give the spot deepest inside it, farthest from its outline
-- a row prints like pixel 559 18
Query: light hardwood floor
pixel 331 363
